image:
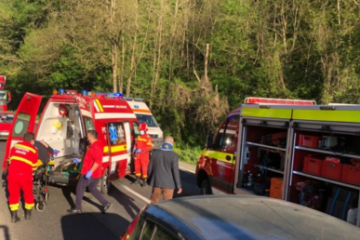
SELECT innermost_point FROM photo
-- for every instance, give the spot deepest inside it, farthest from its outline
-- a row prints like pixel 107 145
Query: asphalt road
pixel 54 223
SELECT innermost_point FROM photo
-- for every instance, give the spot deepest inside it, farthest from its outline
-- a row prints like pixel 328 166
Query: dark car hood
pixel 234 217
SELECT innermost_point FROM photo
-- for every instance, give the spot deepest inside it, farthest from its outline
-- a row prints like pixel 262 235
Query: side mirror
pixel 209 140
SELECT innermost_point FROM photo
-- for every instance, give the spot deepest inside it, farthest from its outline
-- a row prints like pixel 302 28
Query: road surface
pixel 54 223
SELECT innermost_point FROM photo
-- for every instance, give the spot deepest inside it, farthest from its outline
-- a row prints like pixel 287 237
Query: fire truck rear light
pixel 257 100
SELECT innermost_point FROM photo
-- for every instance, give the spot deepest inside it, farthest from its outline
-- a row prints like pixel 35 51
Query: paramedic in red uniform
pixel 23 160
pixel 90 173
pixel 142 148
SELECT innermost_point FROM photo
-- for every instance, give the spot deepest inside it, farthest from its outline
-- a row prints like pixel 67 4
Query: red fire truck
pixel 293 150
pixel 6 117
pixel 63 124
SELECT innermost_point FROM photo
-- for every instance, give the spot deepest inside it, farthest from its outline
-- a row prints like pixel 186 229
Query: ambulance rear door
pixel 119 148
pixel 24 121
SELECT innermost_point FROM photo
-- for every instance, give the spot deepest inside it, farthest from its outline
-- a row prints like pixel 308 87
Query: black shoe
pixel 74 210
pixel 137 181
pixel 106 208
pixel 144 183
pixel 14 217
pixel 27 214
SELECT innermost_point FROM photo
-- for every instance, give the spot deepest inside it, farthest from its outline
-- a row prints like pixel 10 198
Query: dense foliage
pixel 156 49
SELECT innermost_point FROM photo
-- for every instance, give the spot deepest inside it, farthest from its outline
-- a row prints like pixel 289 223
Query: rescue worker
pixel 143 146
pixel 23 160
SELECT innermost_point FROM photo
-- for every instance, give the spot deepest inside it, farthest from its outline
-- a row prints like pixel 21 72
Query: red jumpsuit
pixel 144 143
pixel 23 159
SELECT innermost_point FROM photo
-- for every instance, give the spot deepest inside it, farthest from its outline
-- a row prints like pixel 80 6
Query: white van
pixel 144 115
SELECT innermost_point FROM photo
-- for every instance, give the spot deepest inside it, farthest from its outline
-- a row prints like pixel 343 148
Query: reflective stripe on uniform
pixel 142 139
pixel 16 158
pixel 25 147
pixel 14 207
pixel 29 206
pixel 150 143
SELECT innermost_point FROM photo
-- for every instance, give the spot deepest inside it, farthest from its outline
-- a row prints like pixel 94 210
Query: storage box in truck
pixel 144 115
pixel 63 124
pixel 312 151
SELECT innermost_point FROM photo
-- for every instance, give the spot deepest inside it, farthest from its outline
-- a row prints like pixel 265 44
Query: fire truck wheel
pixel 40 206
pixel 205 188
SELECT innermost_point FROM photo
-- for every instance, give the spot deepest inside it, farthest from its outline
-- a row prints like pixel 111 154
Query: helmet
pixel 143 127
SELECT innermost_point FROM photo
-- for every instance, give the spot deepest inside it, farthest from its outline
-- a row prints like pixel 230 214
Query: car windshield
pixel 148 119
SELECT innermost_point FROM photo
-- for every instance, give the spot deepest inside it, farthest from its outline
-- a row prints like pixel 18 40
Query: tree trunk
pixel 121 84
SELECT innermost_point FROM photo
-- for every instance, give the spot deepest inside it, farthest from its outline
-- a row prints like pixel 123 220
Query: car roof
pixel 250 217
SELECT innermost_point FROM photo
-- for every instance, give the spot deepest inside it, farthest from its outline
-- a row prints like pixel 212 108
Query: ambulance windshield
pixel 148 119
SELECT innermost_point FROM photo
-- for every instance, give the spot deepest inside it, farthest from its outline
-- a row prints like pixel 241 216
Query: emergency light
pixel 61 91
pixel 83 92
pixel 257 100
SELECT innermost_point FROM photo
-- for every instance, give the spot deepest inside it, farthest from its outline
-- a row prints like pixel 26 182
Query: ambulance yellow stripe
pixel 266 113
pixel 25 147
pixel 99 105
pixel 115 149
pixel 327 115
pixel 220 156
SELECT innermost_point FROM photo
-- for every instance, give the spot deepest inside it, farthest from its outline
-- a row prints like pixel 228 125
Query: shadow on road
pixel 4 231
pixel 86 226
pixel 125 200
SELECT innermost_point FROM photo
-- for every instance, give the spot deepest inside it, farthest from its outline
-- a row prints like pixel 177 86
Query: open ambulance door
pixel 24 121
pixel 119 151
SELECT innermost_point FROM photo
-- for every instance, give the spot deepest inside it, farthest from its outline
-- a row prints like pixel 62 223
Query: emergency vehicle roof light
pixel 278 101
pixel 114 95
pixel 55 92
pixel 128 98
pixel 61 91
pixel 84 92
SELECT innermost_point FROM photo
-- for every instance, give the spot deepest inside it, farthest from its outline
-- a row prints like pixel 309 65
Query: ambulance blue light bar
pixel 61 91
pixel 133 99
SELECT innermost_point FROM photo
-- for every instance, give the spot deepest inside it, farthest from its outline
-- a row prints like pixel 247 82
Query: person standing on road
pixel 22 164
pixel 143 146
pixel 164 174
pixel 90 173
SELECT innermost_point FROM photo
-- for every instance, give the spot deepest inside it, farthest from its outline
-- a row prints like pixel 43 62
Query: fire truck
pixel 6 117
pixel 293 150
pixel 63 124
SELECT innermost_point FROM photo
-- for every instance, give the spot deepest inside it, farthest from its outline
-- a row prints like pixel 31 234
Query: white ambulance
pixel 144 115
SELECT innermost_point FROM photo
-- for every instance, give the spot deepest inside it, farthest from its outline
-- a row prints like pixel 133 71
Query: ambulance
pixel 63 124
pixel 292 150
pixel 144 115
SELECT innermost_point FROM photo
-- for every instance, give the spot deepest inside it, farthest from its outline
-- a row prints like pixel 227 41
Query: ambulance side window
pixel 21 125
pixel 116 133
pixel 89 124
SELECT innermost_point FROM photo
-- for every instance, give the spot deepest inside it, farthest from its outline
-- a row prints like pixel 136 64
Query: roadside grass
pixel 188 154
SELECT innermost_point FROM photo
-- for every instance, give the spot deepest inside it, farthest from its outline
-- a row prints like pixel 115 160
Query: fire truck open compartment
pixel 264 145
pixel 323 173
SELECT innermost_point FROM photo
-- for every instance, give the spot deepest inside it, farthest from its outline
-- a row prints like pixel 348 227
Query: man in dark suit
pixel 163 171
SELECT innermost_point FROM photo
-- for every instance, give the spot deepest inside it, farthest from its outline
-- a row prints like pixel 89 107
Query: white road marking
pixel 135 193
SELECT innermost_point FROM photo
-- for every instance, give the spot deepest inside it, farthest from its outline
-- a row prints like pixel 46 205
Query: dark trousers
pixel 92 185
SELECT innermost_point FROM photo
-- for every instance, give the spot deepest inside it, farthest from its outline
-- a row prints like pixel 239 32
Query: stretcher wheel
pixel 40 206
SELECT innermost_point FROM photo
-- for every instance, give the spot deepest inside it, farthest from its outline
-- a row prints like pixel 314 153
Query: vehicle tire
pixel 40 206
pixel 105 183
pixel 205 188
